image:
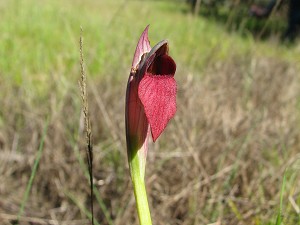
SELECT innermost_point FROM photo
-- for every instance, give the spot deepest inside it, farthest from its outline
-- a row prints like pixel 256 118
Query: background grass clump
pixel 223 158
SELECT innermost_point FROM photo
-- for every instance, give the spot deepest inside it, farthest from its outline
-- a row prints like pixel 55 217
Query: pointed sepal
pixel 142 47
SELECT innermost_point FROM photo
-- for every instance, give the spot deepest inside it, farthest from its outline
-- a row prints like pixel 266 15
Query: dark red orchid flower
pixel 151 92
pixel 150 104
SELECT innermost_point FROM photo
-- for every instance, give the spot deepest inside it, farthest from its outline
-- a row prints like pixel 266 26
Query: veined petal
pixel 158 95
pixel 135 118
pixel 137 126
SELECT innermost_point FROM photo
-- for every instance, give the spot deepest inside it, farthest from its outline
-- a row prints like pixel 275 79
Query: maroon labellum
pixel 151 91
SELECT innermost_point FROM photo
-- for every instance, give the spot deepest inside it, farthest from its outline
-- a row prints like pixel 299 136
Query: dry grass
pixel 220 161
pixel 222 158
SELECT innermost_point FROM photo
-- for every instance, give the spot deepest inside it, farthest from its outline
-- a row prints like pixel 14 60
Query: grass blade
pixel 279 215
pixel 34 169
pixel 100 201
pixel 81 207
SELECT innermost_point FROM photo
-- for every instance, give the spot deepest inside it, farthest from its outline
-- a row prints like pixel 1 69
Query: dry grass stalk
pixel 85 108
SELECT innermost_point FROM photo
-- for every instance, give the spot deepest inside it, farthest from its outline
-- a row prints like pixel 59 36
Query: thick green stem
pixel 139 190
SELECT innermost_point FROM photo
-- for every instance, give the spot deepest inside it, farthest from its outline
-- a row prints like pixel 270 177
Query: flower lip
pixel 159 62
pixel 162 65
pixel 161 48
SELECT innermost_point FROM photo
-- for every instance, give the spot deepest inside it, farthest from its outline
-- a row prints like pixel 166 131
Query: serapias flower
pixel 150 104
pixel 151 91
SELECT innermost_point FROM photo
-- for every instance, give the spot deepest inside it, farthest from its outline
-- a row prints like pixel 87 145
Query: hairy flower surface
pixel 151 92
pixel 150 104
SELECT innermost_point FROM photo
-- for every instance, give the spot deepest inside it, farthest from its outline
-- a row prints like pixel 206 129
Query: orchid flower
pixel 150 104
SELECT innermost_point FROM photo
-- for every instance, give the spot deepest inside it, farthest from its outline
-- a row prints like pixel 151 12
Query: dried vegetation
pixel 222 158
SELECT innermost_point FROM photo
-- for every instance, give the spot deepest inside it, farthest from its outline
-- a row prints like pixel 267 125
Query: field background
pixel 230 156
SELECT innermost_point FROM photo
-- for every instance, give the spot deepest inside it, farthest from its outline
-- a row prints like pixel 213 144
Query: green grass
pixel 279 215
pixel 42 37
pixel 33 172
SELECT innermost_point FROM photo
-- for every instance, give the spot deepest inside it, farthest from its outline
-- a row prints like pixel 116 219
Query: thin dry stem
pixel 85 108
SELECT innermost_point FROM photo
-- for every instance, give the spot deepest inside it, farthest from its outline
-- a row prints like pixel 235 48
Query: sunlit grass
pixel 40 38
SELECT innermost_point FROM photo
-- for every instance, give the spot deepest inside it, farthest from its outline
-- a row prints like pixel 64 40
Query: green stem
pixel 139 190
